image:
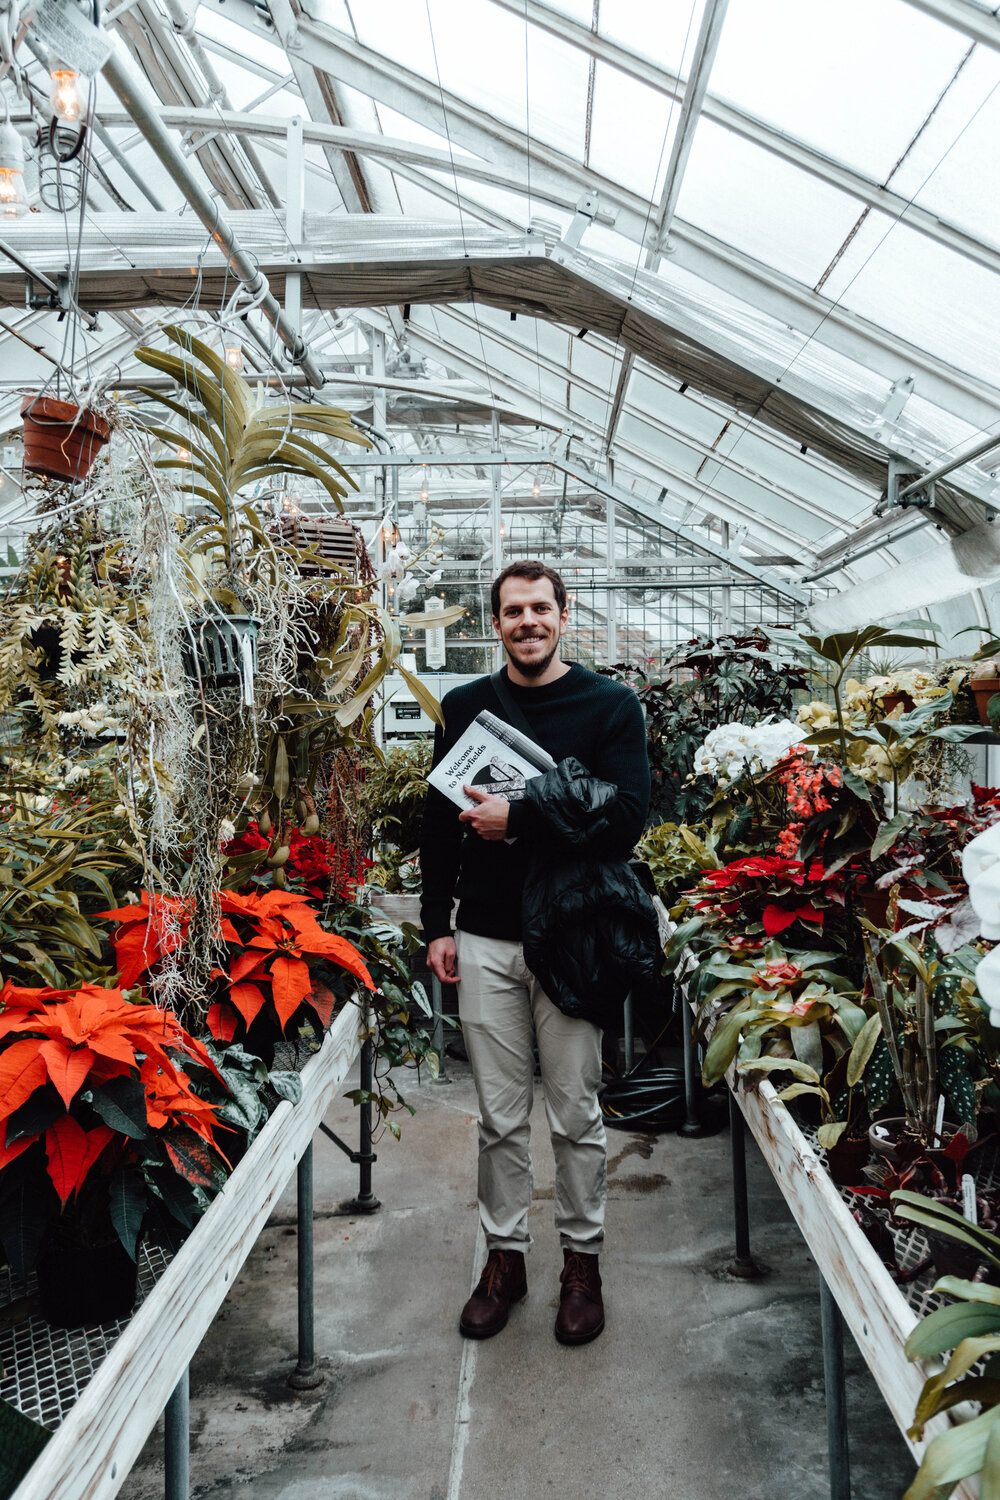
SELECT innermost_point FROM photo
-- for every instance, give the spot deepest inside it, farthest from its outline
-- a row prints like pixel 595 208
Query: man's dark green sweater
pixel 581 714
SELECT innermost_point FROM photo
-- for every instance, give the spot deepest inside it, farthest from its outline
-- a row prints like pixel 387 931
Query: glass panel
pixel 954 169
pixel 665 33
pixel 855 79
pixel 631 132
pixel 481 53
pixel 934 297
pixel 761 205
pixel 242 40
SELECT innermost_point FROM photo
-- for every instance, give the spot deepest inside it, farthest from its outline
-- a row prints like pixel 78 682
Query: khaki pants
pixel 502 1006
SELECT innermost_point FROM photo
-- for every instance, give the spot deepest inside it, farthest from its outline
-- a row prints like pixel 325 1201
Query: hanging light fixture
pixel 536 488
pixel 65 96
pixel 233 353
pixel 13 202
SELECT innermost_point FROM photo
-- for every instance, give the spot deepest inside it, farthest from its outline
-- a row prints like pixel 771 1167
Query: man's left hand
pixel 489 817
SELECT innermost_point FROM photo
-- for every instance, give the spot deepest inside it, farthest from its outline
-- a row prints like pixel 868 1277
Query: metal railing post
pixel 836 1393
pixel 437 1005
pixel 305 1376
pixel 744 1265
pixel 177 1442
pixel 366 1201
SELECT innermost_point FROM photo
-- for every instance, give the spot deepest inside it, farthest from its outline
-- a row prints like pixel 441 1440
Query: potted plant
pixel 103 1133
pixel 903 983
pixel 227 443
pixel 61 439
pixel 275 949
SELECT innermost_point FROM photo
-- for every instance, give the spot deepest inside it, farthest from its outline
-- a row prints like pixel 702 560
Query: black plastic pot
pixel 80 1285
pixel 951 1257
pixel 218 652
pixel 847 1160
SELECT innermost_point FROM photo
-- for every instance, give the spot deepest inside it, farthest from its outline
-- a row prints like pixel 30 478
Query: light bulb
pixel 425 494
pixel 536 489
pixel 184 454
pixel 13 202
pixel 234 356
pixel 65 96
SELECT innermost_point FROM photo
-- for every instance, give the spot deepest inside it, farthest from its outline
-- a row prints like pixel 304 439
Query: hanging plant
pixel 61 439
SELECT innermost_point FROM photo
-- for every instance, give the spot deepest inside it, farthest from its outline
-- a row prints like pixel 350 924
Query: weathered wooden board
pixel 874 1308
pixel 90 1455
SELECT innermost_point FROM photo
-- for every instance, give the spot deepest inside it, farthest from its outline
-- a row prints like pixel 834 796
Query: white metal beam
pixel 974 20
pixel 709 36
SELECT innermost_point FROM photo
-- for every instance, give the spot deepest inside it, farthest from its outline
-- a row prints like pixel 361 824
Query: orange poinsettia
pixel 83 1039
pixel 155 926
pixel 272 935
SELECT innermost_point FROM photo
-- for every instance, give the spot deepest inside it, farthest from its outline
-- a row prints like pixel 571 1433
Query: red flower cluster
pixel 806 785
pixel 733 888
pixel 314 864
pixel 270 935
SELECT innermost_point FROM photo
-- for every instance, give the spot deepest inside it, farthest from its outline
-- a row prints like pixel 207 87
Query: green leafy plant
pixel 969 1327
pixel 708 681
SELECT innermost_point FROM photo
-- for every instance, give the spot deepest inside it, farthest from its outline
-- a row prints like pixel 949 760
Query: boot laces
pixel 576 1275
pixel 494 1273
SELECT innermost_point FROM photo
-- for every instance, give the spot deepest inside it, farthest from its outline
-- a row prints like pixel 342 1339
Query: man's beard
pixel 535 666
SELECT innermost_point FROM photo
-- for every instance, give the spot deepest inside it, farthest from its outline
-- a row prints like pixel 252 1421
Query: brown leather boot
pixel 581 1310
pixel 503 1282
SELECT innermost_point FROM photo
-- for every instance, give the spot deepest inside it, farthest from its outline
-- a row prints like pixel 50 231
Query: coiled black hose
pixel 652 1099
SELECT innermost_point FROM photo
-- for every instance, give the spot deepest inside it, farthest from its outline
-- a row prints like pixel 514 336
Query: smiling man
pixel 591 817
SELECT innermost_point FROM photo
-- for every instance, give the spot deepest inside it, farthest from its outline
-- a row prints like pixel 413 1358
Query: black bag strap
pixel 510 708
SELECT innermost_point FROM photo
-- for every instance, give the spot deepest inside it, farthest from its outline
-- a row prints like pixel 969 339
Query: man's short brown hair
pixel 531 569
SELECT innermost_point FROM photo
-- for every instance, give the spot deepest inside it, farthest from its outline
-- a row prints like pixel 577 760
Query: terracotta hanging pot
pixel 984 688
pixel 60 440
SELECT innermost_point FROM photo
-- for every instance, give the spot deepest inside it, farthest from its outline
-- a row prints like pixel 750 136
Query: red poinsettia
pixel 154 927
pixel 770 889
pixel 314 864
pixel 279 932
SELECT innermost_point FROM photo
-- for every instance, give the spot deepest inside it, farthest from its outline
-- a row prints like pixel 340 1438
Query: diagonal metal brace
pixel 355 1156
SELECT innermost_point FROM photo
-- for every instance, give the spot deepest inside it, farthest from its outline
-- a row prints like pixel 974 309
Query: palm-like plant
pixel 231 441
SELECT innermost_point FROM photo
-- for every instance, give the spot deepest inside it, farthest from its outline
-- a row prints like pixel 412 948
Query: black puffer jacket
pixel 589 929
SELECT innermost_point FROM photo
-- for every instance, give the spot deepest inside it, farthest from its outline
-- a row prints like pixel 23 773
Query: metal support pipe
pixel 305 1376
pixel 177 1442
pixel 836 1394
pixel 496 519
pixel 366 1202
pixel 295 182
pixel 183 24
pixel 985 446
pixel 627 1021
pixel 208 211
pixel 437 1039
pixel 692 1082
pixel 744 1265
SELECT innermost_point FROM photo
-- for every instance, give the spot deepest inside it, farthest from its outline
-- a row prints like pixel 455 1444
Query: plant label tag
pixel 969 1199
pixel 939 1121
pixel 71 37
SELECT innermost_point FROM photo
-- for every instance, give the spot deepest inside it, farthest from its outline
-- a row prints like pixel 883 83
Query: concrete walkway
pixel 701 1388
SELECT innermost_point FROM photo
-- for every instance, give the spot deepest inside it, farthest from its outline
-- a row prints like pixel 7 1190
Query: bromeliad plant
pixel 795 1008
pixel 922 1031
pixel 102 1131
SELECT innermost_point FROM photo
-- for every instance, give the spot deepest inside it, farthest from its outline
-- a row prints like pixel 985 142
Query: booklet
pixel 493 756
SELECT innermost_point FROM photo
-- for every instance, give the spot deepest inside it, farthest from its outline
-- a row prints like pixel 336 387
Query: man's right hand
pixel 442 959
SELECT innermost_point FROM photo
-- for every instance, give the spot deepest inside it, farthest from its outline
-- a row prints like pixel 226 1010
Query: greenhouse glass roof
pixel 731 269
